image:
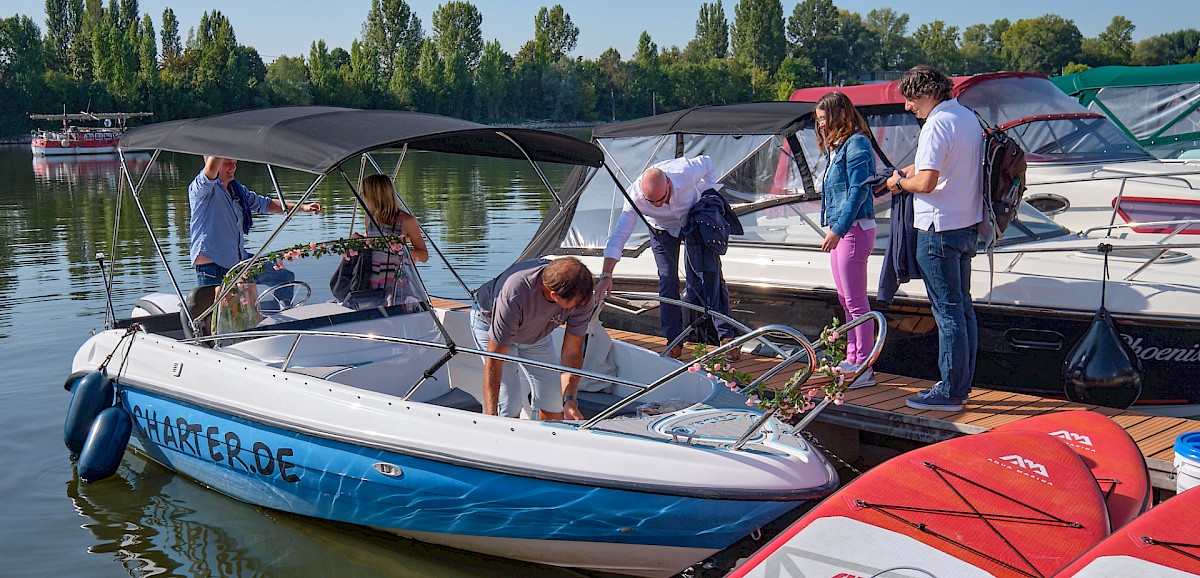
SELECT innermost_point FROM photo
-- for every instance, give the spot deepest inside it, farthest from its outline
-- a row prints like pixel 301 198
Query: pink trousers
pixel 849 263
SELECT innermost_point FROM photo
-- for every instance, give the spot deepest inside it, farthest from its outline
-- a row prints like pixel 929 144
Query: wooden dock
pixel 880 409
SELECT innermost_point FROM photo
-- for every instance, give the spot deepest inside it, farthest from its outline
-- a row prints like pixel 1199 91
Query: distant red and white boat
pixel 77 140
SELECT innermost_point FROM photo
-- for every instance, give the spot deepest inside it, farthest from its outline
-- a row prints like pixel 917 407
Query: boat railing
pixel 1123 176
pixel 806 352
pixel 1158 249
pixel 761 335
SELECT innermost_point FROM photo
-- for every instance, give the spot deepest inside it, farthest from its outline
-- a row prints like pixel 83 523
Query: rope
pixel 972 512
pixel 812 439
pixel 133 328
pixel 1176 547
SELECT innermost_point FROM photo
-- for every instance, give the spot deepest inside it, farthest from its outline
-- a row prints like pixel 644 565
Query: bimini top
pixel 1106 76
pixel 316 139
pixel 744 118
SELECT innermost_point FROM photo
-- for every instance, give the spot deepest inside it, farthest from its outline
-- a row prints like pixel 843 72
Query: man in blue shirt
pixel 221 217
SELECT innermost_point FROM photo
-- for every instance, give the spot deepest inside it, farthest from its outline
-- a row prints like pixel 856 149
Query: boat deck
pixel 881 409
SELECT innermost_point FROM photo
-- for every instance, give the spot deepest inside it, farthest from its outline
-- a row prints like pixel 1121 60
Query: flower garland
pixel 347 248
pixel 792 399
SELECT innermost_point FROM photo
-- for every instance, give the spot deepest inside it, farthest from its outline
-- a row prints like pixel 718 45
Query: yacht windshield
pixel 1037 107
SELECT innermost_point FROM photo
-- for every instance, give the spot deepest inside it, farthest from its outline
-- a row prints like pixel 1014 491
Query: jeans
pixel 849 263
pixel 945 262
pixel 545 384
pixel 213 274
pixel 705 283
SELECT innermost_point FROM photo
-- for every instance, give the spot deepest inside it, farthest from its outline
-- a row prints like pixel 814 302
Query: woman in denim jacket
pixel 847 208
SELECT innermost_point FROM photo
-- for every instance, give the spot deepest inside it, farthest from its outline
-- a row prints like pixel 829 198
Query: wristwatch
pixel 900 187
pixel 605 275
pixel 567 398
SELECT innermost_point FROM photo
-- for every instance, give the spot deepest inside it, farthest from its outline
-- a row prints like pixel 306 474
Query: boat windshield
pixel 795 224
pixel 752 168
pixel 325 284
pixel 1038 108
pixel 1165 119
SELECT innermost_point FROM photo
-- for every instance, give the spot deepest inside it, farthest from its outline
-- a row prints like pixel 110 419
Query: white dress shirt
pixel 689 178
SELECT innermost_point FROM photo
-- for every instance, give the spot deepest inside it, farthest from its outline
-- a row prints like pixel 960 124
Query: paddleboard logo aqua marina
pixel 1150 352
pixel 1024 466
pixel 208 442
pixel 1074 439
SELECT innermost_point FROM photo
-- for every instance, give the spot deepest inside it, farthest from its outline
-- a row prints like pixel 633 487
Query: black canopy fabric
pixel 745 118
pixel 316 139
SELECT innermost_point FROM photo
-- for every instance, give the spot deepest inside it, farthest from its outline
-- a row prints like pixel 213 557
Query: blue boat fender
pixel 90 395
pixel 105 444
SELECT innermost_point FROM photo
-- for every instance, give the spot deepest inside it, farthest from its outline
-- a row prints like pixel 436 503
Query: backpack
pixel 1003 176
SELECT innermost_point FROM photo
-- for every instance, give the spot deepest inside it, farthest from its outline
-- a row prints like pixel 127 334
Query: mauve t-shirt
pixel 518 313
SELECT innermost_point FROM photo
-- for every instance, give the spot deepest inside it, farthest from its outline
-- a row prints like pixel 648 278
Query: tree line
pixel 112 58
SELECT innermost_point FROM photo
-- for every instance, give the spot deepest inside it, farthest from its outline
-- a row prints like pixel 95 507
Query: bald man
pixel 665 193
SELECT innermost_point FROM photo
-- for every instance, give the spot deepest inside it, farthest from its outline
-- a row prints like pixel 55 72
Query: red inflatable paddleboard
pixel 1162 543
pixel 993 504
pixel 1108 451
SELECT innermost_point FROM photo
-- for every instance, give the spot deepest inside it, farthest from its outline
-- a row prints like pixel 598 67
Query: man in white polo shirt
pixel 948 205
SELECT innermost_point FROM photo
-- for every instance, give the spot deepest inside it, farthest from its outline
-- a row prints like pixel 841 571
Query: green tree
pixel 361 87
pixel 757 33
pixel 169 36
pixel 1170 48
pixel 430 78
pixel 214 46
pixel 1045 44
pixel 896 50
pixel 813 31
pixel 322 73
pixel 491 80
pixel 712 34
pixel 287 82
pixel 981 46
pixel 148 72
pixel 393 31
pixel 553 32
pixel 862 47
pixel 114 63
pixel 459 41
pixel 79 54
pixel 1116 41
pixel 456 32
pixel 63 20
pixel 794 72
pixel 21 63
pixel 939 44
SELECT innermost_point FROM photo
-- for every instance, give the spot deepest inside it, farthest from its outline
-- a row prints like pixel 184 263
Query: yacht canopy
pixel 316 139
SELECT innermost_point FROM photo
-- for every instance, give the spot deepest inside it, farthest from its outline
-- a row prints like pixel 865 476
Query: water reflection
pixel 154 523
pixel 74 171
pixel 54 218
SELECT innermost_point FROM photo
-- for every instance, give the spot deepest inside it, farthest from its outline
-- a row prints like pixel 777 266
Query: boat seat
pixel 196 301
pixel 458 399
pixel 594 402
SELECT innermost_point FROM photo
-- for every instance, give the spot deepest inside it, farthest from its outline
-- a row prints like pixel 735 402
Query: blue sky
pixel 278 27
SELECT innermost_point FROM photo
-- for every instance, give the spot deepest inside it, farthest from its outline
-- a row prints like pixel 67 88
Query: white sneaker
pixel 867 379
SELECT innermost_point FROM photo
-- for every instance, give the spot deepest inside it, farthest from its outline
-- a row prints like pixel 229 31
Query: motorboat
pixel 74 139
pixel 1156 105
pixel 1083 172
pixel 1035 295
pixel 368 410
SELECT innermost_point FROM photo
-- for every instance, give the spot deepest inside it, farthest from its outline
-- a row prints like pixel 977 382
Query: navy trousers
pixel 704 281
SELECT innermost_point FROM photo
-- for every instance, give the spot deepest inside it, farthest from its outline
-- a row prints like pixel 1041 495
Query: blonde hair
pixel 842 121
pixel 380 198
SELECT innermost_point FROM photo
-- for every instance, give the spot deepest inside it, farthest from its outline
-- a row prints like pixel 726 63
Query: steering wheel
pixel 307 291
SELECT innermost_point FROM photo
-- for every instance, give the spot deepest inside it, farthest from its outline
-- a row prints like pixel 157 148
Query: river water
pixel 55 215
